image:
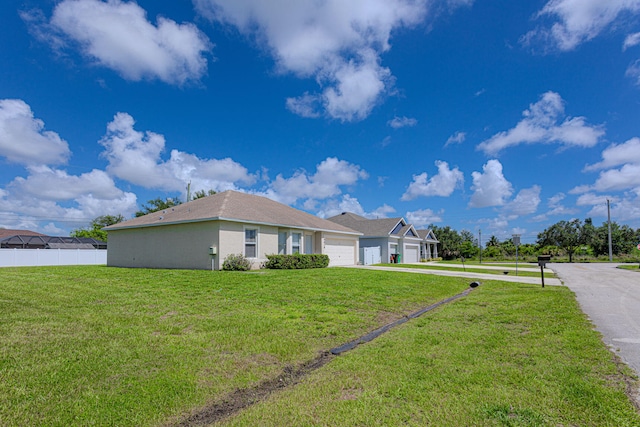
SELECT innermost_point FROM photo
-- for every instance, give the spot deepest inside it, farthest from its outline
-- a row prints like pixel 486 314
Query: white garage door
pixel 341 252
pixel 411 254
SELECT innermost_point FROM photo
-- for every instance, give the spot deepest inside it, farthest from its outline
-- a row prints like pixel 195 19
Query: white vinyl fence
pixel 37 257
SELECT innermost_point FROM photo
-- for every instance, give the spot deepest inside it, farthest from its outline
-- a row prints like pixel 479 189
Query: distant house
pixel 200 234
pixel 383 240
pixel 7 232
pixel 26 239
pixel 429 244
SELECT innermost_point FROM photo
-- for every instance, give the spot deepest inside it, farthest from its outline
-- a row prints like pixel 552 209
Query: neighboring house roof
pixel 409 231
pixel 5 232
pixel 427 235
pixel 234 206
pixel 370 227
pixel 382 227
pixel 33 241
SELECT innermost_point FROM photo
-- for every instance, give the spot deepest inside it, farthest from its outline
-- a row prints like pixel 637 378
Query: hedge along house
pixel 200 234
pixel 383 240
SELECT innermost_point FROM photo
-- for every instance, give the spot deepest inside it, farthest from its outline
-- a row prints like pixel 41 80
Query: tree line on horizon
pixel 564 238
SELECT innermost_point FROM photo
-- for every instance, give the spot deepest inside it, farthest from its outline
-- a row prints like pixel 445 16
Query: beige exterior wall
pixel 170 246
pixel 232 241
pixel 186 246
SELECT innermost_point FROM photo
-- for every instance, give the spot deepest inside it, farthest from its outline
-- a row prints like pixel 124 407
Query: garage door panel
pixel 411 254
pixel 341 252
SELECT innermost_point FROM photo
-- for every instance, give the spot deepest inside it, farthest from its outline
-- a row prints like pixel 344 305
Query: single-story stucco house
pixel 384 239
pixel 201 233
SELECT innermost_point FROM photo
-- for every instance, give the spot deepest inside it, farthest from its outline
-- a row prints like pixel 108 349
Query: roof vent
pixel 161 218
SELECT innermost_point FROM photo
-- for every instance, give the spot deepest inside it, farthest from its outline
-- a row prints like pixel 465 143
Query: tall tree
pixel 95 231
pixel 156 205
pixel 450 240
pixel 623 239
pixel 493 241
pixel 201 193
pixel 568 235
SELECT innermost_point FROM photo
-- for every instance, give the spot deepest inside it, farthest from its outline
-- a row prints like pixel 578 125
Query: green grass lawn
pixel 632 267
pixel 470 269
pixel 132 347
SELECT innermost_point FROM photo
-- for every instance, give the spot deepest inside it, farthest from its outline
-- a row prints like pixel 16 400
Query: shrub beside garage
pixel 297 261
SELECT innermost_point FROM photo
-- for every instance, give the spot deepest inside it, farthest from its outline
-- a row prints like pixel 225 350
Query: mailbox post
pixel 542 261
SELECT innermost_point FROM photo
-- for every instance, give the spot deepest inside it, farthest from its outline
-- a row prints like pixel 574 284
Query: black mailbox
pixel 543 259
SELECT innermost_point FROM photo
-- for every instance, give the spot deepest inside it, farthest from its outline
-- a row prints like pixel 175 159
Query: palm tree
pixel 493 241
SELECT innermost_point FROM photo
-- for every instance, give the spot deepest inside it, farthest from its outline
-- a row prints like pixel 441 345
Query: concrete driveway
pixel 611 298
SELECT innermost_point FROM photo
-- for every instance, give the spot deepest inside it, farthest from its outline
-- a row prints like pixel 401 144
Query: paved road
pixel 476 276
pixel 611 298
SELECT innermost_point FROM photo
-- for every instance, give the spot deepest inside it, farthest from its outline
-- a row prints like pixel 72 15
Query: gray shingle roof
pixel 234 206
pixel 368 227
pixel 424 233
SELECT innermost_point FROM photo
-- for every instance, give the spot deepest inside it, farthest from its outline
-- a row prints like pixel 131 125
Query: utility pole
pixel 189 191
pixel 516 242
pixel 480 243
pixel 609 221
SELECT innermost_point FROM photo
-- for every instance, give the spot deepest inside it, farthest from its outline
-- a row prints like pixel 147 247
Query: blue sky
pixel 498 116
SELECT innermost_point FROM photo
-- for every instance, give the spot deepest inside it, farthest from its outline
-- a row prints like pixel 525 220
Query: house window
pixel 251 242
pixel 282 243
pixel 308 244
pixel 296 239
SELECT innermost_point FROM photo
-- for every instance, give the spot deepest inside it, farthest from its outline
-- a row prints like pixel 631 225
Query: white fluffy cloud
pixel 333 207
pixel 339 43
pixel 490 187
pixel 47 194
pixel 400 122
pixel 577 21
pixel 625 178
pixel 622 169
pixel 424 217
pixel 633 72
pixel 590 199
pixel 545 123
pixel 556 207
pixel 624 208
pixel 23 138
pixel 456 138
pixel 136 157
pixel 117 35
pixel 54 195
pixel 618 154
pixel 526 202
pixel 631 40
pixel 442 184
pixel 330 175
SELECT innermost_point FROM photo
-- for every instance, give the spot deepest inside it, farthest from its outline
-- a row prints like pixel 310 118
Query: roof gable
pixel 234 206
pixel 427 235
pixel 369 227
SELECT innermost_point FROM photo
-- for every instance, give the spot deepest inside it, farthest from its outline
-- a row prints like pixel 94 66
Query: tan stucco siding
pixel 232 241
pixel 171 246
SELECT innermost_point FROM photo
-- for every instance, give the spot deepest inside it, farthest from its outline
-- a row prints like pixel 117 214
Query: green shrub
pixel 236 262
pixel 296 261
